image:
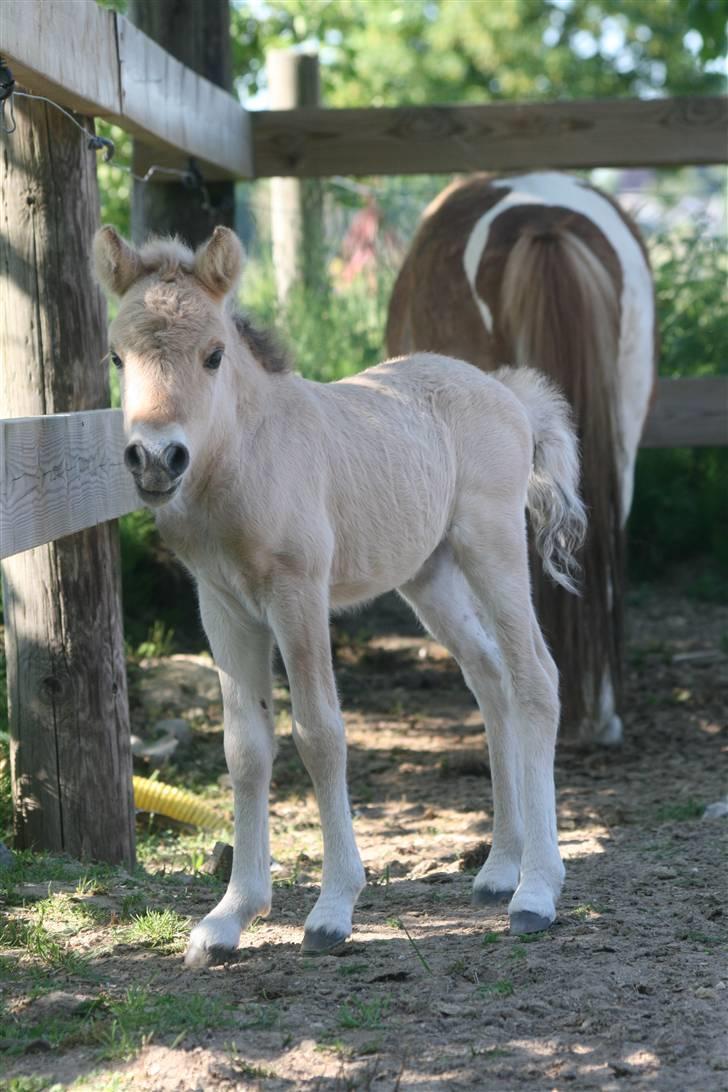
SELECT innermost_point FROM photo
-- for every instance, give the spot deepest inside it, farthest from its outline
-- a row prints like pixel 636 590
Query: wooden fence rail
pixel 97 63
pixel 313 142
pixel 63 473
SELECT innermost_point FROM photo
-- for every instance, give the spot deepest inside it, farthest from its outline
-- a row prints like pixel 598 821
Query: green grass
pixel 363 1014
pixel 164 930
pixel 39 944
pixel 502 988
pixel 680 812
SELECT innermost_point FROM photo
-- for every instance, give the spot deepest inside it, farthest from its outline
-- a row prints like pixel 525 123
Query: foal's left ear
pixel 219 262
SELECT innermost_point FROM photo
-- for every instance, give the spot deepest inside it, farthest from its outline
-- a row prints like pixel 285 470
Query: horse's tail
pixel 560 312
pixel 556 513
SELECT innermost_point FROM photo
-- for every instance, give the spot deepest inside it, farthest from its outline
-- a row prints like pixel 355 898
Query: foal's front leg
pixel 243 651
pixel 301 627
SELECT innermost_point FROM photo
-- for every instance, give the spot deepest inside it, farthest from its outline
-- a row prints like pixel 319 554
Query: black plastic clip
pixel 97 143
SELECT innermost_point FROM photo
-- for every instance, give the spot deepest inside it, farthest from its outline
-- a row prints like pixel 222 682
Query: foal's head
pixel 173 340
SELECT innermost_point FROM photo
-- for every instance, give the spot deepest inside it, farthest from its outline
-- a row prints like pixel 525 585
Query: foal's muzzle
pixel 157 474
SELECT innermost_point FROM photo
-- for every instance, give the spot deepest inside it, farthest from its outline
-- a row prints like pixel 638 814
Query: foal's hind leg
pixel 492 552
pixel 441 597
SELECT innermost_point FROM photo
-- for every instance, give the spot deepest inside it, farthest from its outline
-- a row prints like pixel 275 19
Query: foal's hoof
pixel 321 942
pixel 483 896
pixel 198 958
pixel 525 921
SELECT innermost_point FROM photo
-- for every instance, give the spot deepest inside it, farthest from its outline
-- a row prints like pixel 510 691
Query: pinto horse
pixel 287 498
pixel 547 271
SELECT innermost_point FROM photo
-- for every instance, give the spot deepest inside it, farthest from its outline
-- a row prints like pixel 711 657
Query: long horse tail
pixel 557 515
pixel 560 312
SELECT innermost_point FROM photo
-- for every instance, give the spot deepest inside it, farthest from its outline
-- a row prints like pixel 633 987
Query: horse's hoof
pixel 197 958
pixel 321 942
pixel 483 896
pixel 525 921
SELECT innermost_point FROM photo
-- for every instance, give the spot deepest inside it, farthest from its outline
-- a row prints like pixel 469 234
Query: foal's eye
pixel 116 360
pixel 214 360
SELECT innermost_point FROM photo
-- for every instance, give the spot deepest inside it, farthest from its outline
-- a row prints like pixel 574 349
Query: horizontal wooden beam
pixel 689 413
pixel 60 474
pixel 97 63
pixel 315 142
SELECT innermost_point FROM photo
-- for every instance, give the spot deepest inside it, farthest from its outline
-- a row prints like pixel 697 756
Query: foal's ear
pixel 116 263
pixel 219 262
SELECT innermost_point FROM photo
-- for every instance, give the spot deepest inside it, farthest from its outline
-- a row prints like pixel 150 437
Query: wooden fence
pixel 63 473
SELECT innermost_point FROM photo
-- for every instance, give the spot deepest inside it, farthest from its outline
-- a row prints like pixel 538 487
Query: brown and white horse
pixel 544 269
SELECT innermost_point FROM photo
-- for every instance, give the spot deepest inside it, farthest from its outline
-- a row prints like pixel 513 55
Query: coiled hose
pixel 185 807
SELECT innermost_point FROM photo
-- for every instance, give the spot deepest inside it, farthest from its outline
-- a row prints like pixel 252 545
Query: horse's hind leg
pixel 441 597
pixel 491 550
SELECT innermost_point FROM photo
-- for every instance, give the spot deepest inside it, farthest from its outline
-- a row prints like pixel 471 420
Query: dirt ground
pixel 629 988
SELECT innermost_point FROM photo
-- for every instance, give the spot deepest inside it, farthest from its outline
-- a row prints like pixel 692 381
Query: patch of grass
pixel 517 951
pixel 261 1016
pixel 30 1084
pixel 140 1015
pixel 35 940
pixel 490 938
pixel 681 812
pixel 348 969
pixel 163 930
pixel 503 988
pixel 363 1014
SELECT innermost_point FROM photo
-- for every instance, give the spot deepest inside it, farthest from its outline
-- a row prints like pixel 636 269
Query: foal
pixel 286 498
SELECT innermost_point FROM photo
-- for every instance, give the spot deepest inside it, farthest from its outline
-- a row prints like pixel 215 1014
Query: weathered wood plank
pixel 96 62
pixel 44 45
pixel 61 474
pixel 310 142
pixel 689 413
pixel 163 98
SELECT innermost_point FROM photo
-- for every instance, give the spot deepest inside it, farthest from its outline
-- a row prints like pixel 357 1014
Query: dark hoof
pixel 483 896
pixel 197 958
pixel 320 942
pixel 525 921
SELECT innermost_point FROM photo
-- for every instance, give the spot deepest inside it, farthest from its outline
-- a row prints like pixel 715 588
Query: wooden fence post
pixel 296 207
pixel 197 33
pixel 69 715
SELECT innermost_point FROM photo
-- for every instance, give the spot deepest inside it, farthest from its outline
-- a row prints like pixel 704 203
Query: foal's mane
pixel 168 257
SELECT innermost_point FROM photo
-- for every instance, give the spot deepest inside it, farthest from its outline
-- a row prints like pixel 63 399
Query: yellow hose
pixel 177 804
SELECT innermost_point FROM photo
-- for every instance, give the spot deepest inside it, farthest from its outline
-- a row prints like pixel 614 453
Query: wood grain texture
pixel 309 142
pixel 69 716
pixel 93 61
pixel 689 413
pixel 161 98
pixel 61 474
pixel 43 43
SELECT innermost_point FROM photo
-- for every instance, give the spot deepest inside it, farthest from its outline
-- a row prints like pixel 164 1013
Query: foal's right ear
pixel 116 263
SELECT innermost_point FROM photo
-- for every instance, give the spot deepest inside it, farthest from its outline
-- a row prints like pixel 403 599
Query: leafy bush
pixel 679 508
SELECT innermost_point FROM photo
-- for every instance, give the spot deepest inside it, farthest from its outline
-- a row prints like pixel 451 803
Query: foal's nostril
pixel 135 458
pixel 176 458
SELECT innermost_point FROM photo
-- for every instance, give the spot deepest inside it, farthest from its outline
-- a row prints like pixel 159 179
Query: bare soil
pixel 627 990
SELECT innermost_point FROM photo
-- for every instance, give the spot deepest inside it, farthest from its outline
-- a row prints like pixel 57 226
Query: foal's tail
pixel 557 515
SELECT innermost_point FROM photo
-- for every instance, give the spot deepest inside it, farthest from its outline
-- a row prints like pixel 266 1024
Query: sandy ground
pixel 629 989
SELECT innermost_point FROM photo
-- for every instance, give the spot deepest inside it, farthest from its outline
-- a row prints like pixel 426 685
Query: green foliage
pixel 160 929
pixel 679 510
pixel 416 51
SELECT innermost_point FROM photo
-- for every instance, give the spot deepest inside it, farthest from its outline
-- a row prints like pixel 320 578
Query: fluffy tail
pixel 560 313
pixel 557 515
